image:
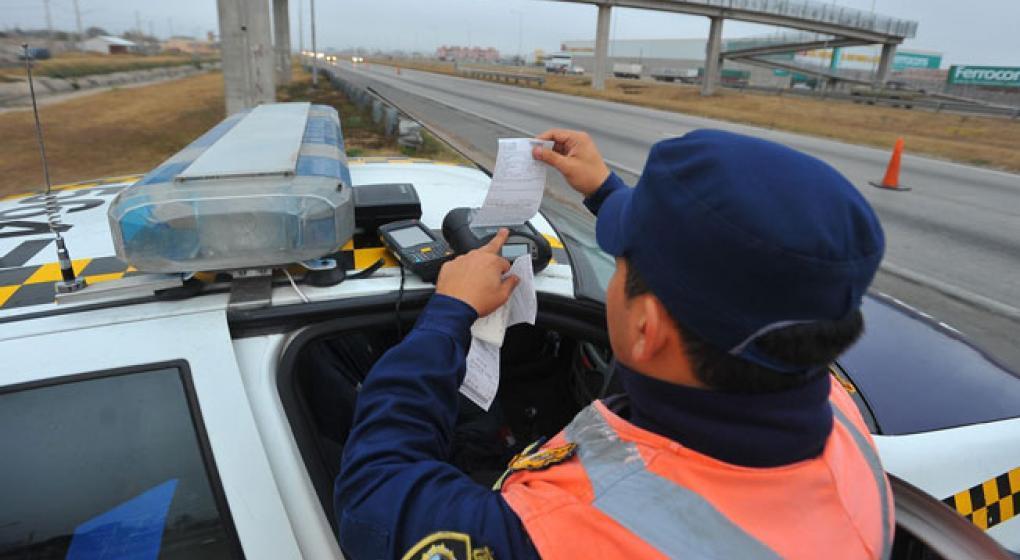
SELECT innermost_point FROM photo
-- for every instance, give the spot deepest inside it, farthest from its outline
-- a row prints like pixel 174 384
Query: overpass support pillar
pixel 884 63
pixel 598 78
pixel 713 58
pixel 281 40
pixel 247 49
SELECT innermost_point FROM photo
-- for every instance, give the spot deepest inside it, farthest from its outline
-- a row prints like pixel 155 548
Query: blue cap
pixel 739 236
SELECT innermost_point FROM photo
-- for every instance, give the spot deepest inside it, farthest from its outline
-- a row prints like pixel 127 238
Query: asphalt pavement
pixel 953 240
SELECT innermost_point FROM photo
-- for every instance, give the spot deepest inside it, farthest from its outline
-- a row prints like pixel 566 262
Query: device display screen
pixel 410 236
pixel 513 250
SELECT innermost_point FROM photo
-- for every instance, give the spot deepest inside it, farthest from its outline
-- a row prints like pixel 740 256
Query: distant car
pixel 357 59
pixel 801 85
pixel 192 415
pixel 576 70
pixel 35 53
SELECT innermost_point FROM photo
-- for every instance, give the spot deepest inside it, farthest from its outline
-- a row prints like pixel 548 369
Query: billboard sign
pixel 1002 76
pixel 905 59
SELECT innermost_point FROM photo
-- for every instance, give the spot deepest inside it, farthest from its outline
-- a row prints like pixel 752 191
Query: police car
pixel 191 401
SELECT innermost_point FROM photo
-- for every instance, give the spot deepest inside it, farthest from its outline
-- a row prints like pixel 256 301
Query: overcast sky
pixel 974 32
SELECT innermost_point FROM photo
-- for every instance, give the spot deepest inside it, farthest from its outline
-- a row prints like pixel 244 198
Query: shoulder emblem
pixel 543 458
pixel 447 545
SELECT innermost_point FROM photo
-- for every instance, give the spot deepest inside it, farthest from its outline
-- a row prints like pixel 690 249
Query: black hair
pixel 814 344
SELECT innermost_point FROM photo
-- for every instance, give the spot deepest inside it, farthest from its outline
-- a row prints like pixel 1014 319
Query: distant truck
pixel 895 91
pixel 560 63
pixel 623 70
pixel 687 75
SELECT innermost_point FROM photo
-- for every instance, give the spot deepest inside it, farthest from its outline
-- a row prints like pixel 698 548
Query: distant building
pixel 107 44
pixel 679 55
pixel 669 57
pixel 467 54
pixel 189 45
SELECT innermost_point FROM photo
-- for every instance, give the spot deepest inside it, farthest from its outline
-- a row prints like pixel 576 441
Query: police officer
pixel 740 268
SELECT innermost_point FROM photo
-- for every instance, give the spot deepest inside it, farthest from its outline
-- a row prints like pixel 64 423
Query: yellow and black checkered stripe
pixel 992 502
pixel 78 186
pixel 363 251
pixel 34 285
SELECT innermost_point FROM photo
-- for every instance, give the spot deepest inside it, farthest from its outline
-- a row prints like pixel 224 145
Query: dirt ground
pixel 984 141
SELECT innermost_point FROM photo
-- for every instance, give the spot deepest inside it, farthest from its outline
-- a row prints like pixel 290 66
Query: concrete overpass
pixel 845 26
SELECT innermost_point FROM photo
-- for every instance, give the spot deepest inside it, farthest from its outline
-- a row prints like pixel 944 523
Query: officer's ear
pixel 655 328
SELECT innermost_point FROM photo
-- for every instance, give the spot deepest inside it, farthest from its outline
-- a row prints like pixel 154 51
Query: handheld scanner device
pixel 416 247
pixel 524 239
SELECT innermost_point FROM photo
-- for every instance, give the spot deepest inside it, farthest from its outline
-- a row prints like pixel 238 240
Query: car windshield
pixel 592 267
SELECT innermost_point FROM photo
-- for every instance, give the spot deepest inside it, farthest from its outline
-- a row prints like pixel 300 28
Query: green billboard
pixel 1002 76
pixel 906 59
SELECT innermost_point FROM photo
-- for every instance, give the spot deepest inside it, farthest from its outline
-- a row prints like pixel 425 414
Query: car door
pixel 133 435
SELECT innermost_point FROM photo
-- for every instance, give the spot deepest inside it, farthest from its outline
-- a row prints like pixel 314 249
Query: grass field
pixel 125 131
pixel 73 65
pixel 985 141
pixel 116 132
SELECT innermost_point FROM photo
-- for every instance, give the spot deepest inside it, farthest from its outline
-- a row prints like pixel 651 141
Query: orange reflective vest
pixel 630 493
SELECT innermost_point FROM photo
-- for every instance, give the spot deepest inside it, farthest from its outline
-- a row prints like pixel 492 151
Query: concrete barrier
pixel 393 123
pixel 505 77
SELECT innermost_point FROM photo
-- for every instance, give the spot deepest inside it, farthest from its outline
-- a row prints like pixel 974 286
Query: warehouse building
pixel 670 56
pixel 107 44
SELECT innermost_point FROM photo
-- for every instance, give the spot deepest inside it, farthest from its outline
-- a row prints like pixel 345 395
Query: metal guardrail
pixel 932 104
pixel 506 77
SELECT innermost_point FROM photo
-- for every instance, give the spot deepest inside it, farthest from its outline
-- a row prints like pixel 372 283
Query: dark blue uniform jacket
pixel 395 486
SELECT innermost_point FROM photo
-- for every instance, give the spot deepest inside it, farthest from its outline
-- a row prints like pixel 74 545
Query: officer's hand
pixel 477 277
pixel 575 155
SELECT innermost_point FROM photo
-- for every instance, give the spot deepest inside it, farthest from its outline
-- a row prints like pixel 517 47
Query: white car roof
pixel 28 267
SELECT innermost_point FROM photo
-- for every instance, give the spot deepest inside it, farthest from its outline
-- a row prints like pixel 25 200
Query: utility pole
pixel 301 26
pixel 315 52
pixel 138 22
pixel 49 25
pixel 77 20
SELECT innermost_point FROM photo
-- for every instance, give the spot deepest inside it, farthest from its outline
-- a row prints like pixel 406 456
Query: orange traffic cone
pixel 891 180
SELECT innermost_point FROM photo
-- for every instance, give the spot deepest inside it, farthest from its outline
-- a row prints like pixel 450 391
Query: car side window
pixel 110 465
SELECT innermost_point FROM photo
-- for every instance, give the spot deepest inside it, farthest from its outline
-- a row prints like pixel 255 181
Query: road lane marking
pixel 521 101
pixel 955 292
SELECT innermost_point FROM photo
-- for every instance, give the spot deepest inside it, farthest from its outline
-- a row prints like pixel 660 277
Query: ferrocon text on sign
pixel 985 75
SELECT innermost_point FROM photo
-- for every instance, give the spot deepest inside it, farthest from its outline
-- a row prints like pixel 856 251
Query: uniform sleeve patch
pixel 543 459
pixel 447 545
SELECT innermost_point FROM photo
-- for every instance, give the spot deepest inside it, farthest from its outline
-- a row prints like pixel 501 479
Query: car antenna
pixel 68 283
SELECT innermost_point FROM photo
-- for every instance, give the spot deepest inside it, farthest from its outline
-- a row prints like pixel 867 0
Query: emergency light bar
pixel 265 187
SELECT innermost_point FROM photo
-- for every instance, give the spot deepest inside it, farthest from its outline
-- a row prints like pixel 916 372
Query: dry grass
pixel 362 137
pixel 71 65
pixel 127 131
pixel 985 141
pixel 111 133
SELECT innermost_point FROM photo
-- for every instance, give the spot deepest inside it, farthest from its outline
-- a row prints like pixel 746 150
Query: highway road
pixel 953 241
